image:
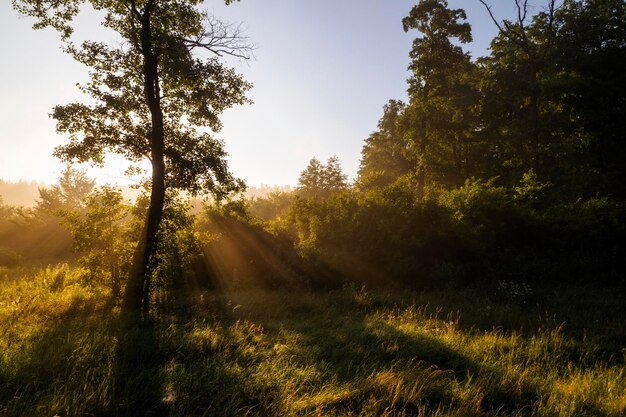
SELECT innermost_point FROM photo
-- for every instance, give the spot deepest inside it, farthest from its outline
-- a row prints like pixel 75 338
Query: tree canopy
pixel 548 98
pixel 319 180
pixel 157 95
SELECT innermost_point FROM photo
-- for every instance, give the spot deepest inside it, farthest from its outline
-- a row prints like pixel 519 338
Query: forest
pixel 476 266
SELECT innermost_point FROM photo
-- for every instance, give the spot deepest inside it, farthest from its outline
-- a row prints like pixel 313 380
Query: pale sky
pixel 322 72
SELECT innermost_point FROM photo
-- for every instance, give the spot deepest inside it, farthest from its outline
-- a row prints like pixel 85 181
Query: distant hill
pixel 263 190
pixel 25 193
pixel 21 193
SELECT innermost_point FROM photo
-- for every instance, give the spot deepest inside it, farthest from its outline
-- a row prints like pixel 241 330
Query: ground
pixel 352 351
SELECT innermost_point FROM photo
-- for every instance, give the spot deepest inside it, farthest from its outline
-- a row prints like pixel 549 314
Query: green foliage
pixel 320 181
pixel 443 94
pixel 5 211
pixel 531 192
pixel 192 90
pixel 352 351
pixel 156 95
pixel 232 208
pixel 73 186
pixel 101 237
pixel 480 232
pixel 9 257
pixel 180 245
pixel 243 251
pixel 382 237
pixel 477 200
pixel 547 99
pixel 273 206
pixel 590 239
pixel 35 235
pixel 384 156
pixel 592 55
pixel 509 149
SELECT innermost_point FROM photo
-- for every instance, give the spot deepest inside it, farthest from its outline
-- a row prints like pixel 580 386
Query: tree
pixel 591 41
pixel 384 157
pixel 334 179
pixel 517 105
pixel 68 194
pixel 98 233
pixel 319 181
pixel 442 93
pixel 153 94
pixel 5 210
pixel 554 89
pixel 310 182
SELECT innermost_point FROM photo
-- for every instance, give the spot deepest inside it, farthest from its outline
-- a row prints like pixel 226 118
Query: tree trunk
pixel 421 169
pixel 457 152
pixel 467 161
pixel 155 213
pixel 420 183
pixel 534 114
pixel 137 295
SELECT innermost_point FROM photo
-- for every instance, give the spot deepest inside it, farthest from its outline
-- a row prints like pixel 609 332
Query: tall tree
pixel 384 157
pixel 310 182
pixel 591 62
pixel 517 106
pixel 98 234
pixel 152 93
pixel 68 194
pixel 319 180
pixel 554 89
pixel 334 179
pixel 441 92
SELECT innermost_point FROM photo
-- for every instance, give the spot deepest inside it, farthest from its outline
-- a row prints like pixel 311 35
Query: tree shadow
pixel 84 362
pixel 138 378
pixel 48 365
pixel 349 347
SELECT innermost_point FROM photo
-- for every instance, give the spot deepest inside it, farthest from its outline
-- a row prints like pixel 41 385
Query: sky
pixel 322 71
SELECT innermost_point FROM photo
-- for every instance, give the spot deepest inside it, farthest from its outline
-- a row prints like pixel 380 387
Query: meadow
pixel 350 351
pixel 473 264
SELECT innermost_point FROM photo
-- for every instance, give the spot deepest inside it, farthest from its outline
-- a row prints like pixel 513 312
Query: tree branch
pixel 133 35
pixel 493 18
pixel 221 39
pixel 507 30
pixel 551 18
pixel 521 11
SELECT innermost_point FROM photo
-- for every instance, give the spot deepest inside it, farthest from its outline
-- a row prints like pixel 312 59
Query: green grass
pixel 349 352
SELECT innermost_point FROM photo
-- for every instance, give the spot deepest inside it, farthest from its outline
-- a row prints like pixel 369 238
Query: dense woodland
pixel 500 182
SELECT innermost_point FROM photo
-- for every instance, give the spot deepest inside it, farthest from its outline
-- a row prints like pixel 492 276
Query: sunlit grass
pixel 63 351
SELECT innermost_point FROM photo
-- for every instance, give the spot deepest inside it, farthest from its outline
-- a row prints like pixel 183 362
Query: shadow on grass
pixel 138 377
pixel 349 348
pixel 83 362
pixel 212 359
pixel 61 368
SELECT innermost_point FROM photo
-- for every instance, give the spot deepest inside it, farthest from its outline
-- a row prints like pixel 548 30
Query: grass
pixel 348 352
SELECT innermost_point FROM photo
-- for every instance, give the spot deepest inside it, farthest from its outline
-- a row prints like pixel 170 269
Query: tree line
pixel 503 167
pixel 549 98
pixel 506 166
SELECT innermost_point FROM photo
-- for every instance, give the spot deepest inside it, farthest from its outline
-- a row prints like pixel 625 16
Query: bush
pixel 9 258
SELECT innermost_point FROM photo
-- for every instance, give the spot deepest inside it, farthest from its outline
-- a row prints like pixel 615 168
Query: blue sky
pixel 321 73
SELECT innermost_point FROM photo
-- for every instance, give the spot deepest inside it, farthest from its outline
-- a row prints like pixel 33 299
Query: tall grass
pixel 64 351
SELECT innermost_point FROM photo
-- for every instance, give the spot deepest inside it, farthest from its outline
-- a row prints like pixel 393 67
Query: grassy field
pixel 348 352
